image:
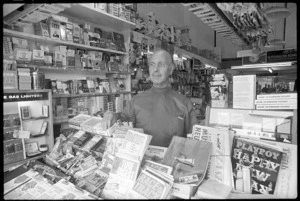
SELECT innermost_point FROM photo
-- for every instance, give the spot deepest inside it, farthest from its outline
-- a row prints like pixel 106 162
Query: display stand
pixel 24 116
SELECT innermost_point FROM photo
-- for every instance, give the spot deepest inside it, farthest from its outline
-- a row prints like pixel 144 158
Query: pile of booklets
pixel 126 154
pixel 31 185
pixel 154 182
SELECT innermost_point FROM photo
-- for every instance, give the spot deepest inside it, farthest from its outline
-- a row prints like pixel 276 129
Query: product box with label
pixel 41 29
pixel 120 46
pixel 71 57
pixel 38 57
pixel 48 58
pixel 14 150
pixel 76 33
pixel 113 9
pixel 10 80
pixel 59 110
pixel 57 59
pixel 64 58
pixel 23 56
pixel 117 37
pixel 54 28
pixel 69 32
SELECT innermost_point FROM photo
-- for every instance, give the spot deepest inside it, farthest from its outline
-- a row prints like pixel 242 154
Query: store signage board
pixel 25 96
pixel 282 56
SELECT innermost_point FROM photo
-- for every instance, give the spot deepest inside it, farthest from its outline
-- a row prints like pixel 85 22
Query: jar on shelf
pixel 38 80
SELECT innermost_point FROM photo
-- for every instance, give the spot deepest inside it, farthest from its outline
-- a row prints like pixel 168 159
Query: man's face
pixel 159 70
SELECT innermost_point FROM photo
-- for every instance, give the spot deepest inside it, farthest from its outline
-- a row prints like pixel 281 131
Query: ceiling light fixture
pixel 276 13
pixel 210 66
pixel 277 42
pixel 270 70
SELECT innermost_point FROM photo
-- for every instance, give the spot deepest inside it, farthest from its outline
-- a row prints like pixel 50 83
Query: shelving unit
pixel 79 14
pixel 72 69
pixel 47 40
pixel 90 14
pixel 34 99
pixel 7 167
pixel 87 94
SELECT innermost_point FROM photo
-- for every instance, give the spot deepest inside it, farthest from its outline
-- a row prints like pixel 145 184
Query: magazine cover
pixel 257 162
pixel 189 159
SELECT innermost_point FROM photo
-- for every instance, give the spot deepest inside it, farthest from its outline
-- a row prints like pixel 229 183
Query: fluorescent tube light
pixel 209 66
pixel 263 65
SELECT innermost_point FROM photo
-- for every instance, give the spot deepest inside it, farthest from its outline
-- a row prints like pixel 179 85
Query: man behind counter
pixel 160 111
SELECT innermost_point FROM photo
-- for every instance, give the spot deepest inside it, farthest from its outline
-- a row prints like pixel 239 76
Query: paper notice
pixel 268 124
pixel 223 118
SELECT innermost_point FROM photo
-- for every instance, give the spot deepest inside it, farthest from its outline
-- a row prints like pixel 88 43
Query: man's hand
pixel 109 119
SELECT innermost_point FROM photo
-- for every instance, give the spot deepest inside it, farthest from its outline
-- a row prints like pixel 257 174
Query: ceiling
pixel 248 25
pixel 267 35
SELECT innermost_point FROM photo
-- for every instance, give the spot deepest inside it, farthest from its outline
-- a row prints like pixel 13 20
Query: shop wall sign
pixel 25 96
pixel 282 56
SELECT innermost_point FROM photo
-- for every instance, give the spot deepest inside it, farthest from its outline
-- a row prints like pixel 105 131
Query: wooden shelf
pixel 87 94
pixel 89 14
pixel 47 40
pixel 6 167
pixel 71 69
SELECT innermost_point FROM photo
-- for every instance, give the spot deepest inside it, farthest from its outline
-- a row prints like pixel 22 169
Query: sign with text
pixel 25 96
pixel 282 56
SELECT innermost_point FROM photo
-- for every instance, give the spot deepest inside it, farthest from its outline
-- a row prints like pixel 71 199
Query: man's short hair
pixel 171 63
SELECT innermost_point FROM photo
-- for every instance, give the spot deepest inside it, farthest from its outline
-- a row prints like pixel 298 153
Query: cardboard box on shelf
pixel 54 28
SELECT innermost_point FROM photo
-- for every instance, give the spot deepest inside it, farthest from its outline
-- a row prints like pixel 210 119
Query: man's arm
pixel 190 119
pixel 126 115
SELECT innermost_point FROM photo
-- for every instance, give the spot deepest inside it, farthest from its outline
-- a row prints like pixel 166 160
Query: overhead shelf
pixel 71 69
pixel 42 39
pixel 89 14
pixel 87 94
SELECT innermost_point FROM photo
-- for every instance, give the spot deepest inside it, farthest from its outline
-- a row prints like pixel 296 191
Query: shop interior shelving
pixel 86 12
pixel 47 40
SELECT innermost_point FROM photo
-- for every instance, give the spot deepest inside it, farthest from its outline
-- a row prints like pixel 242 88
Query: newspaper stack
pixel 154 182
pixel 126 154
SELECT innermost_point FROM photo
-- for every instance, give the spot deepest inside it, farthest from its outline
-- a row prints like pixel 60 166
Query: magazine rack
pixel 264 124
pixel 275 126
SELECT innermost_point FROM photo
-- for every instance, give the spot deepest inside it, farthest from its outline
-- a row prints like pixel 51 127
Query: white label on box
pixel 23 55
pixel 38 54
pixel 69 26
pixel 64 58
pixel 58 56
pixel 48 59
pixel 71 53
pixel 24 134
pixel 19 41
